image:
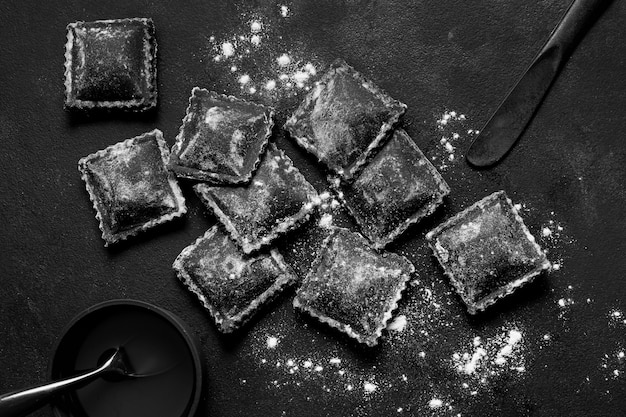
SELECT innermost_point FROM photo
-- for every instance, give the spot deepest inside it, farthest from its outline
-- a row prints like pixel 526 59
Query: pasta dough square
pixel 221 138
pixel 130 187
pixel 397 188
pixel 487 251
pixel 344 119
pixel 278 199
pixel 111 64
pixel 353 287
pixel 232 286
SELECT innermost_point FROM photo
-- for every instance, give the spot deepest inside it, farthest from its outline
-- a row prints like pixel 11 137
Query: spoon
pixel 22 402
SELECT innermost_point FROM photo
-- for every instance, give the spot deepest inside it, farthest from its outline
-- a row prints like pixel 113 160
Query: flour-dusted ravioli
pixel 221 138
pixel 111 64
pixel 300 249
pixel 487 251
pixel 397 188
pixel 130 186
pixel 231 285
pixel 344 119
pixel 278 199
pixel 353 287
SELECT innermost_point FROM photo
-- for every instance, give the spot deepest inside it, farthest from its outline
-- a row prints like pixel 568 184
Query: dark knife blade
pixel 514 114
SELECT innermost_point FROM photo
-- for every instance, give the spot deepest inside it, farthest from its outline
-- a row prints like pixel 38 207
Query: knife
pixel 513 115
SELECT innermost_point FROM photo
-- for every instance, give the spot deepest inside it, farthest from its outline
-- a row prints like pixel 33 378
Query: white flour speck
pixel 435 403
pixel 369 387
pixel 272 342
pixel 228 49
pixel 283 60
pixel 326 220
pixel 398 324
pixel 451 127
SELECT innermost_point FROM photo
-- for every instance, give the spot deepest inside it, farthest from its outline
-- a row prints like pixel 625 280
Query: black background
pixel 435 56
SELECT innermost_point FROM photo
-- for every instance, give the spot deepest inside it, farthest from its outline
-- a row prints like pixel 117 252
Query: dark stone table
pixel 437 57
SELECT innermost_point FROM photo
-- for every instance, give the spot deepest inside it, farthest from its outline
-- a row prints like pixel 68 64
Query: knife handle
pixel 574 24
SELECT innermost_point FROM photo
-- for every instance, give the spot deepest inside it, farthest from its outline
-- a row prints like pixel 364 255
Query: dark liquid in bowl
pixel 152 344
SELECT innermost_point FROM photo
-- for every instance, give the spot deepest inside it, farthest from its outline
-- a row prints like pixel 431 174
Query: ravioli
pixel 397 188
pixel 353 287
pixel 277 200
pixel 130 186
pixel 111 64
pixel 487 251
pixel 221 139
pixel 231 285
pixel 344 119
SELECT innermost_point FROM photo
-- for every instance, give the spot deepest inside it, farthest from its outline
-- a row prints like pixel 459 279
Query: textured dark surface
pixel 432 55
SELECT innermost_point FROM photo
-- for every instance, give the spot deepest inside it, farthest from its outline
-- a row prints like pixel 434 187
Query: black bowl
pixel 157 343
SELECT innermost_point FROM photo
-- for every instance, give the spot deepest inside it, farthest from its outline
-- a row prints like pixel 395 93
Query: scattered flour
pixel 552 239
pixel 369 387
pixel 617 317
pixel 228 50
pixel 614 364
pixel 566 302
pixel 491 357
pixel 552 232
pixel 258 54
pixel 272 342
pixel 398 324
pixel 326 220
pixel 454 136
pixel 435 403
pixel 283 60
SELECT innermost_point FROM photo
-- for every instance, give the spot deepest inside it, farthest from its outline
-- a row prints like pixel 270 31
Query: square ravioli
pixel 111 64
pixel 231 285
pixel 278 199
pixel 487 251
pixel 397 188
pixel 130 186
pixel 353 287
pixel 344 119
pixel 221 139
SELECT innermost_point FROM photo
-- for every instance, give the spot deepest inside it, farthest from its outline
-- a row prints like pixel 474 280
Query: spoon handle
pixel 23 402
